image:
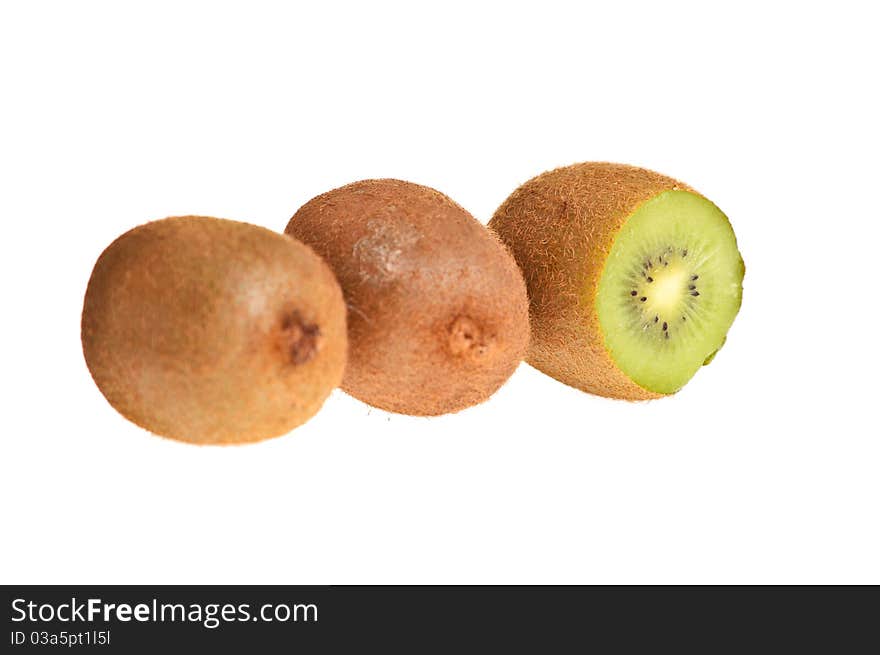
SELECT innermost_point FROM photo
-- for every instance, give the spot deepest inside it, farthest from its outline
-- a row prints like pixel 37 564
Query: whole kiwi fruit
pixel 437 309
pixel 213 331
pixel 633 277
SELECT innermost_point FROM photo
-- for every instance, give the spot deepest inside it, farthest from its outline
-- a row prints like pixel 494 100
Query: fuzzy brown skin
pixel 213 331
pixel 560 227
pixel 437 308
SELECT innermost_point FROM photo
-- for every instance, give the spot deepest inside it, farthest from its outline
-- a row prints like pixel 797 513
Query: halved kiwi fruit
pixel 213 331
pixel 634 278
pixel 438 313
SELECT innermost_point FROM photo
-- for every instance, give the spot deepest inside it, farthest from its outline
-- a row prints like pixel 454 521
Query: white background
pixel 764 469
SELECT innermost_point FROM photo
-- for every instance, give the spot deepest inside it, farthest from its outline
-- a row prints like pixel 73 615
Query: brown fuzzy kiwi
pixel 213 331
pixel 438 313
pixel 561 227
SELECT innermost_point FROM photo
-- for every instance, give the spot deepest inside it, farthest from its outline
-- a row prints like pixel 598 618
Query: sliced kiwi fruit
pixel 634 278
pixel 437 308
pixel 212 331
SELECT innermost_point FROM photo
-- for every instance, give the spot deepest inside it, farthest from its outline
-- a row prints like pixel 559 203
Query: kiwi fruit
pixel 437 308
pixel 213 331
pixel 633 278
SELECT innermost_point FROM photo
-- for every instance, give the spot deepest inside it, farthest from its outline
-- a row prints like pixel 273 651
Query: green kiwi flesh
pixel 670 290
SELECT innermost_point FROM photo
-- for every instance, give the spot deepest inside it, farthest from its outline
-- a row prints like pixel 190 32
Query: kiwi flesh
pixel 633 277
pixel 437 308
pixel 212 331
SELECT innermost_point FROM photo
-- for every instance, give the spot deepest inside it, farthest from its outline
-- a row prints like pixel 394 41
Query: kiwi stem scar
pixel 302 339
pixel 465 336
